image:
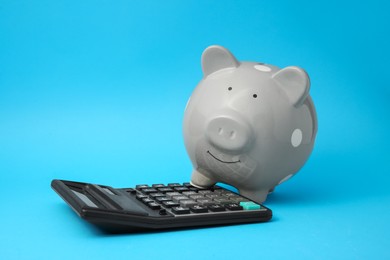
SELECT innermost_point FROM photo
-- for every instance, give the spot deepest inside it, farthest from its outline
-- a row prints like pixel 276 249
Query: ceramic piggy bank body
pixel 250 125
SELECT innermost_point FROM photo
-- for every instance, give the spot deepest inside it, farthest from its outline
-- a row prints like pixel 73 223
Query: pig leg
pixel 258 196
pixel 200 180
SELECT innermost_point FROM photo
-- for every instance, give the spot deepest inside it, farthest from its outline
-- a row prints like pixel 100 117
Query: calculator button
pixel 187 184
pixel 140 196
pixel 216 207
pixel 141 186
pixel 196 196
pixel 249 205
pixel 180 210
pixel 148 190
pixel 174 184
pixel 180 189
pixel 154 205
pixel 188 193
pixel 179 198
pixel 162 199
pixel 204 191
pixel 147 200
pixel 187 203
pixel 233 196
pixel 171 194
pixel 158 185
pixel 205 202
pixel 164 189
pixel 157 194
pixel 238 199
pixel 233 206
pixel 170 204
pixel 212 196
pixel 225 192
pixel 199 209
pixel 222 200
pixel 193 189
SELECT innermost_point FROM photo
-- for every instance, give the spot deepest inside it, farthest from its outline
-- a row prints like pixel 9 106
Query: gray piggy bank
pixel 248 124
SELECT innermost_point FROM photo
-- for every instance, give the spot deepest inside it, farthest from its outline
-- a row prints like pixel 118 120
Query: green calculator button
pixel 249 205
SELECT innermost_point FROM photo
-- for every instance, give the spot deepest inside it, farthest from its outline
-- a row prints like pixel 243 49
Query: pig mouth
pixel 212 155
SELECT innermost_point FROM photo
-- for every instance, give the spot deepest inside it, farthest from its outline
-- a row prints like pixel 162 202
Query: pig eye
pixel 230 88
pixel 254 95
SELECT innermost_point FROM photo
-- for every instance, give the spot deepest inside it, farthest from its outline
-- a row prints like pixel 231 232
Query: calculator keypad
pixel 149 207
pixel 185 199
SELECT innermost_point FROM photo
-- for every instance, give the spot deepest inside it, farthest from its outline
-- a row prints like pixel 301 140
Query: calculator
pixel 158 206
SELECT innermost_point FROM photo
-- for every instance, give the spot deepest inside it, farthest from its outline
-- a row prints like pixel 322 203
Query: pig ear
pixel 295 82
pixel 215 58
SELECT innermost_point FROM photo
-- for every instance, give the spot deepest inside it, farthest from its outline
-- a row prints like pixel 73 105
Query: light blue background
pixel 95 91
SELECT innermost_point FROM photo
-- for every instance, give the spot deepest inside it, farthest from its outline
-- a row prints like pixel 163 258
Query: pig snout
pixel 229 133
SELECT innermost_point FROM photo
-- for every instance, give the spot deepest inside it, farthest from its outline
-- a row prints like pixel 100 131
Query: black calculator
pixel 158 206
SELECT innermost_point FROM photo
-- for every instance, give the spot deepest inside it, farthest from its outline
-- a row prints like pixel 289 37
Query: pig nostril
pixel 232 135
pixel 220 131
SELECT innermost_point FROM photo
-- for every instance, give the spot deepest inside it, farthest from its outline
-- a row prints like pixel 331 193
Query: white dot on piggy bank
pixel 262 68
pixel 296 137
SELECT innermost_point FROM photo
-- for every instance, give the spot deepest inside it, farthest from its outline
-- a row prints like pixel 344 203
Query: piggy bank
pixel 248 124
